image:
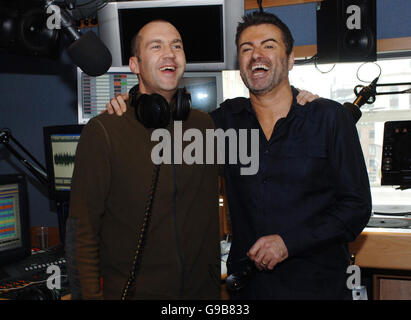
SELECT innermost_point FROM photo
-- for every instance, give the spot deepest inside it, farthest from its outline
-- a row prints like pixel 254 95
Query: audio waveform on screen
pixel 64 159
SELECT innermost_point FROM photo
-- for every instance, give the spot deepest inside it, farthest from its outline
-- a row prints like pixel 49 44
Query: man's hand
pixel 117 104
pixel 305 96
pixel 268 251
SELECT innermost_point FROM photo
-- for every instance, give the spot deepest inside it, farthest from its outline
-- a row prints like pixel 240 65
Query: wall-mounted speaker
pixel 346 31
pixel 23 29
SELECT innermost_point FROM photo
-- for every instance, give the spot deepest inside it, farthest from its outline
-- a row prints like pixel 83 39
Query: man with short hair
pixel 114 181
pixel 311 195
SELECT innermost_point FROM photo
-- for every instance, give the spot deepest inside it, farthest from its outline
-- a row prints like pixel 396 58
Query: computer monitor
pixel 14 219
pixel 207 28
pixel 396 153
pixel 206 89
pixel 60 144
pixel 94 93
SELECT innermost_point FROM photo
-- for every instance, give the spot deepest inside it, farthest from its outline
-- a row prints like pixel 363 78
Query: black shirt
pixel 311 188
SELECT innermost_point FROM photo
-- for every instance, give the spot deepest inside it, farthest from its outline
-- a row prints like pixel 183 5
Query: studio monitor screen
pixel 14 219
pixel 396 154
pixel 207 28
pixel 201 29
pixel 60 144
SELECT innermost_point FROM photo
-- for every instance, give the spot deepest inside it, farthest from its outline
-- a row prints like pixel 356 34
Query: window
pixel 394 99
pixel 372 149
pixel 338 84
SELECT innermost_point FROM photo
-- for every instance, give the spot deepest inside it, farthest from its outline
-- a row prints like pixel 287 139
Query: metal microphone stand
pixel 394 84
pixel 370 98
pixel 375 93
pixel 39 172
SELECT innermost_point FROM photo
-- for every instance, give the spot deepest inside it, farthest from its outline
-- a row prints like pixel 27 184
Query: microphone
pixel 363 97
pixel 86 50
pixel 354 110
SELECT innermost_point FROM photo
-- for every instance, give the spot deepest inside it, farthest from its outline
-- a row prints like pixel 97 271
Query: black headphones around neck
pixel 153 110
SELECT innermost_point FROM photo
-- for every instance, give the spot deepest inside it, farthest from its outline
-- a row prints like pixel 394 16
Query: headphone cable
pixel 179 251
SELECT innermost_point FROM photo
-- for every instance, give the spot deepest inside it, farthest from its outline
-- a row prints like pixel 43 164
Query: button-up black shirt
pixel 311 188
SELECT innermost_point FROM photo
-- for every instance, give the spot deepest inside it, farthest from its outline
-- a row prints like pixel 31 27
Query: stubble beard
pixel 278 75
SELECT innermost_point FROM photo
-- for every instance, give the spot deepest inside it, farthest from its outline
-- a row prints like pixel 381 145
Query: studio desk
pixel 384 255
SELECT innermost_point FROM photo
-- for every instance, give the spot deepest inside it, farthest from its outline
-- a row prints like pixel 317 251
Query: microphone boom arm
pixel 394 84
pixel 367 95
pixel 39 172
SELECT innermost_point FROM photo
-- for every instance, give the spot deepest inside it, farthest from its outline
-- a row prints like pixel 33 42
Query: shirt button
pixel 266 151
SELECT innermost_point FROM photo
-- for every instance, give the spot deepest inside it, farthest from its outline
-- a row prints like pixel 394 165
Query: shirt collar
pixel 296 108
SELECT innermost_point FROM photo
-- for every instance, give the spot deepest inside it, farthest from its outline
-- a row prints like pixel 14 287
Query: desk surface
pixel 383 248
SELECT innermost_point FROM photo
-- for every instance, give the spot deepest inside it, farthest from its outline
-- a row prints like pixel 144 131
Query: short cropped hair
pixel 135 45
pixel 135 41
pixel 256 18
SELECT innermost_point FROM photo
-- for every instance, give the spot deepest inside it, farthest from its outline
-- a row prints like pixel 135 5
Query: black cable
pixel 358 70
pixel 179 251
pixel 102 5
pixel 141 236
pixel 323 72
pixel 306 61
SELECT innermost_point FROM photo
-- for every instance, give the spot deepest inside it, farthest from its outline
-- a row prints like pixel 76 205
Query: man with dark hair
pixel 258 18
pixel 311 196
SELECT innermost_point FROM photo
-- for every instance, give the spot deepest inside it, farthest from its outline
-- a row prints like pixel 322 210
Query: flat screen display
pixel 204 92
pixel 396 153
pixel 14 219
pixel 10 227
pixel 94 93
pixel 201 29
pixel 60 147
